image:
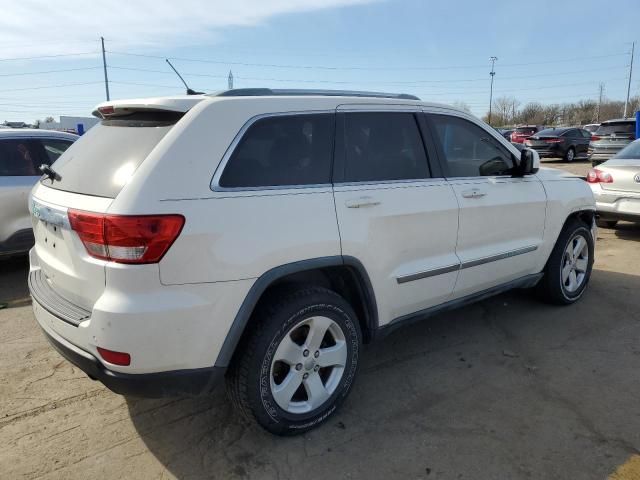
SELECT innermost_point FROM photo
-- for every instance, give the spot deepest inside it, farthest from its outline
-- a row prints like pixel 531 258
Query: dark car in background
pixel 520 134
pixel 611 137
pixel 568 143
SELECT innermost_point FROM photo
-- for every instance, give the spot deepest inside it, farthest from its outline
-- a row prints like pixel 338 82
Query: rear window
pixel 104 159
pixel 526 130
pixel 550 132
pixel 631 151
pixel 616 127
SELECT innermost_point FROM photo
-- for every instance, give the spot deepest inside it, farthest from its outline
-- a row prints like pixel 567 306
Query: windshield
pixel 616 127
pixel 631 151
pixel 526 130
pixel 103 160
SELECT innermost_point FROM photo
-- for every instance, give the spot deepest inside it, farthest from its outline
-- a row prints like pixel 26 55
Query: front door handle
pixel 362 202
pixel 473 193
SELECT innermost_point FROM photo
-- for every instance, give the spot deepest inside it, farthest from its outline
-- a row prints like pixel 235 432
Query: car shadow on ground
pixel 14 291
pixel 627 231
pixel 510 387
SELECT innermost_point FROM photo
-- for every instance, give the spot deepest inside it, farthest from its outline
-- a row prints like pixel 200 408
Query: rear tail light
pixel 133 239
pixel 117 358
pixel 595 138
pixel 598 176
pixel 553 140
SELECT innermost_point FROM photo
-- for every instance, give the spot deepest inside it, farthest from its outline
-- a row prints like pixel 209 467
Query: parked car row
pixel 597 142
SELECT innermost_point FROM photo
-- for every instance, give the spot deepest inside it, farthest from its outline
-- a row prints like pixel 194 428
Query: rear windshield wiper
pixel 50 172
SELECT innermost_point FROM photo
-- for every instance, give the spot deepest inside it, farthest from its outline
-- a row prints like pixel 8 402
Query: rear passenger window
pixel 283 150
pixel 468 150
pixel 383 147
pixel 19 157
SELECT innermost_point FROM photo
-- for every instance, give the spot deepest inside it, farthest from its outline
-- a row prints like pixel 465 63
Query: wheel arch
pixel 344 274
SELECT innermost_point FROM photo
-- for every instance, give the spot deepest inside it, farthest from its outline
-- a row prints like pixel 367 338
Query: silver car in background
pixel 616 187
pixel 22 151
pixel 611 137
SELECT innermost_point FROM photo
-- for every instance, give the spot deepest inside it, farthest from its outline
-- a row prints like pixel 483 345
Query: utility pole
pixel 492 73
pixel 104 65
pixel 230 80
pixel 626 103
pixel 601 87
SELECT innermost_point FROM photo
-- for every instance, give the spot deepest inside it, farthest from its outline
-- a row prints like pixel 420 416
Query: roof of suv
pixel 619 120
pixel 319 98
pixel 35 132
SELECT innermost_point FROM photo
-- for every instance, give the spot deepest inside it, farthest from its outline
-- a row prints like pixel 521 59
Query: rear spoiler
pixel 154 105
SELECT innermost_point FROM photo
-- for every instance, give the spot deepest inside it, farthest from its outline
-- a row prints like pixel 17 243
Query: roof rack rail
pixel 263 92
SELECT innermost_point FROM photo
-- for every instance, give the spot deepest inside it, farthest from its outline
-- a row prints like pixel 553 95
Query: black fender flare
pixel 269 277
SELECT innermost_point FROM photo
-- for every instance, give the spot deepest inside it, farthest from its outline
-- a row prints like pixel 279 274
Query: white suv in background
pixel 266 234
pixel 22 151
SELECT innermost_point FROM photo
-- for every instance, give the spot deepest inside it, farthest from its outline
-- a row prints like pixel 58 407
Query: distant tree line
pixel 507 111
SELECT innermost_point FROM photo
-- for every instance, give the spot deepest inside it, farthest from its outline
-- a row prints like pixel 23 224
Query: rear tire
pixel 570 155
pixel 568 269
pixel 606 223
pixel 298 362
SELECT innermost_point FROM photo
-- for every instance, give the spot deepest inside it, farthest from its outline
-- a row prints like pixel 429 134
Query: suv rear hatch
pixel 92 172
pixel 611 137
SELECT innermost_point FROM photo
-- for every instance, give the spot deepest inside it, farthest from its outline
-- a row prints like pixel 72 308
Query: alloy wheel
pixel 575 262
pixel 308 365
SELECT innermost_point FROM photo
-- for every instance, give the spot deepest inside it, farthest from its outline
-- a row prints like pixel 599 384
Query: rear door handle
pixel 361 202
pixel 473 193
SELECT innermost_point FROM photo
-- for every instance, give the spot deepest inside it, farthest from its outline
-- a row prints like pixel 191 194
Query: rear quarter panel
pixel 228 235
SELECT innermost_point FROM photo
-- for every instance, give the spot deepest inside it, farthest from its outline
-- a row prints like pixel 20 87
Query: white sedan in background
pixel 616 187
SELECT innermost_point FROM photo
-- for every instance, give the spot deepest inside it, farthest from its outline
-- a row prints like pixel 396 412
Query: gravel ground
pixel 505 389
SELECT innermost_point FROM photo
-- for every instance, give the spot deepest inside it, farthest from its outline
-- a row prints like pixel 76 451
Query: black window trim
pixel 339 153
pixel 215 186
pixel 428 114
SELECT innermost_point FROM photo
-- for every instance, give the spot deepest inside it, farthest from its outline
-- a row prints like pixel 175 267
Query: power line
pixel 47 56
pixel 346 82
pixel 42 72
pixel 49 86
pixel 327 67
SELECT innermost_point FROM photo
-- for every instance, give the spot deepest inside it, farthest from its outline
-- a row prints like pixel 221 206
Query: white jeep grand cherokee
pixel 264 235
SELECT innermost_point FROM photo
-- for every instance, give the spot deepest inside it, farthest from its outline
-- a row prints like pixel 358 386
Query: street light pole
pixel 626 103
pixel 492 73
pixel 104 66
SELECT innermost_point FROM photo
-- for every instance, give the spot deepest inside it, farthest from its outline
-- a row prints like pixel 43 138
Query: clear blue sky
pixel 548 51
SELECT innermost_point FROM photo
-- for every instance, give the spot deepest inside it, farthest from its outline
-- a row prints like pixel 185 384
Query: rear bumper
pixel 552 151
pixel 614 205
pixel 161 384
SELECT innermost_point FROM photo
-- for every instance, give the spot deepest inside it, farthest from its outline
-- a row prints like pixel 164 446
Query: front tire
pixel 299 361
pixel 568 269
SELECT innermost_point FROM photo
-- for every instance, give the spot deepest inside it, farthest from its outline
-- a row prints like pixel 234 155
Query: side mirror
pixel 529 162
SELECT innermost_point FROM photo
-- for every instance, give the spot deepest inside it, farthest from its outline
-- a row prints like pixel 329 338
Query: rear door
pixel 583 139
pixel 19 162
pixel 395 214
pixel 501 221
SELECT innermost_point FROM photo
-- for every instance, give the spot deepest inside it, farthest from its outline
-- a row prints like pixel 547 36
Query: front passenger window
pixel 468 150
